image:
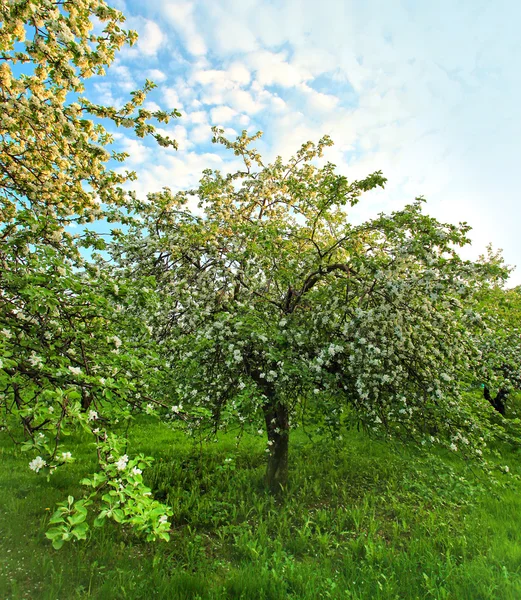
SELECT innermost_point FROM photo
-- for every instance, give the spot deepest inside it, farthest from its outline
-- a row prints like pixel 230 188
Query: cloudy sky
pixel 428 92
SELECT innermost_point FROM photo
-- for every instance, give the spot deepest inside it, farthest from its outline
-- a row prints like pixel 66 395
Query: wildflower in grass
pixel 37 464
pixel 66 456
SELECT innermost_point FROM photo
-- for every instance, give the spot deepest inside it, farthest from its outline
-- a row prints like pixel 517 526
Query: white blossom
pixel 37 464
pixel 121 464
pixel 35 360
pixel 117 342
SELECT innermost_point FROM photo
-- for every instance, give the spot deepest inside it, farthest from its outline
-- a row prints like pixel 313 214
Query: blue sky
pixel 428 92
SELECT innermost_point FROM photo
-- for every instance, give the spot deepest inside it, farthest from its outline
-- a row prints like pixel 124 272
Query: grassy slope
pixel 363 519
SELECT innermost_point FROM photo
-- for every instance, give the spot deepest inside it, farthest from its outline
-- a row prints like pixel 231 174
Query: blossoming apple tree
pixel 64 361
pixel 276 307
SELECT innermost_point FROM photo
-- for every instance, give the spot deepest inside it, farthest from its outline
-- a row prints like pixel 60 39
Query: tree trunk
pixel 499 401
pixel 277 425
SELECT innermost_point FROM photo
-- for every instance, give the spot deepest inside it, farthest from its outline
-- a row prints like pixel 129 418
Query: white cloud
pixel 181 16
pixel 176 171
pixel 171 98
pixel 222 114
pixel 157 76
pixel 197 117
pixel 217 80
pixel 137 151
pixel 180 134
pixel 125 80
pixel 201 134
pixel 104 91
pixel 243 101
pixel 319 101
pixel 274 69
pixel 239 73
pixel 152 106
pixel 150 39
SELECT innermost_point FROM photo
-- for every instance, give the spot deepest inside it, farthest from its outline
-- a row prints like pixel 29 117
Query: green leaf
pixel 99 521
pixel 80 531
pixel 55 532
pixel 57 543
pixel 57 517
pixel 118 515
pixel 77 517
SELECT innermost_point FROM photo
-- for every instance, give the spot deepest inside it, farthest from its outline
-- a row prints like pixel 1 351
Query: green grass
pixel 362 519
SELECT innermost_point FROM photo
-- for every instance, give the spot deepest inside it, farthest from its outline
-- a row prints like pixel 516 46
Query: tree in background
pixel 62 344
pixel 501 345
pixel 275 307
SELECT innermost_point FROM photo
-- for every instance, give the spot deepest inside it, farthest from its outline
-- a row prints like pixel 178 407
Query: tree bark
pixel 498 402
pixel 276 416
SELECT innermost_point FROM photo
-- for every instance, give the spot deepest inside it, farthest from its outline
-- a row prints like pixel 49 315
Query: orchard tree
pixel 274 306
pixel 70 354
pixel 501 346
